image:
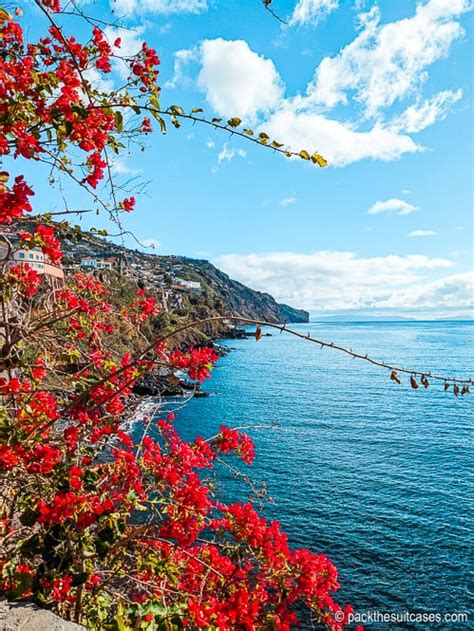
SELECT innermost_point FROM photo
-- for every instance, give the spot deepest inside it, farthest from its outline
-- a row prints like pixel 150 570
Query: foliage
pixel 109 531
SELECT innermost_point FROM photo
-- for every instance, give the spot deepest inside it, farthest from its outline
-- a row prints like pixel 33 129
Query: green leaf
pixel 154 101
pixel 29 517
pixel 277 145
pixel 160 120
pixel 216 120
pixel 196 110
pixel 249 132
pixel 118 121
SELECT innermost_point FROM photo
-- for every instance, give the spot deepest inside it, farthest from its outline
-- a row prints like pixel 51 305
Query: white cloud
pixel 181 59
pixel 418 117
pixel 339 143
pixel 228 153
pixel 456 291
pixel 97 80
pixel 398 206
pixel 288 201
pixel 119 166
pixel 388 62
pixel 165 28
pixel 422 233
pixel 329 280
pixel 385 66
pixel 210 144
pixel 128 7
pixel 312 11
pixel 236 80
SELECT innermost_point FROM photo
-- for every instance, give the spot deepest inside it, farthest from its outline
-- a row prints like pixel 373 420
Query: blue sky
pixel 383 90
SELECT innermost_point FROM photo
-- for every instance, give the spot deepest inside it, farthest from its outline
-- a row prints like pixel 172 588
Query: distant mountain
pixel 362 318
pixel 373 318
pixel 457 318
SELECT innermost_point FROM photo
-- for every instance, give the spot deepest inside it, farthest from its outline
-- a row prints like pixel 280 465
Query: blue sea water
pixel 376 475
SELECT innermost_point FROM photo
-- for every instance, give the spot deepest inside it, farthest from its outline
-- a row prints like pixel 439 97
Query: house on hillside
pixel 101 262
pixel 41 263
pixel 89 262
pixel 194 287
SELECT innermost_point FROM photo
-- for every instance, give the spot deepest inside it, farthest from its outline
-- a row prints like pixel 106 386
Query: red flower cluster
pixel 145 68
pixel 229 440
pixel 43 238
pixel 103 49
pixel 25 279
pixel 197 362
pixel 54 5
pixel 14 202
pixel 128 204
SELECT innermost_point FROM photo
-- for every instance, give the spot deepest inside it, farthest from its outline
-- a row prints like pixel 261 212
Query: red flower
pixel 61 589
pixel 128 204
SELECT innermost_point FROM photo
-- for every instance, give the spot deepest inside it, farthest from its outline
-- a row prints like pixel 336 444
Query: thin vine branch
pixel 283 329
pixel 266 4
pixel 324 344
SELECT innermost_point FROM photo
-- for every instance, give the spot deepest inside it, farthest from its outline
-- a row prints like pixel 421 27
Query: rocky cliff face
pixel 241 300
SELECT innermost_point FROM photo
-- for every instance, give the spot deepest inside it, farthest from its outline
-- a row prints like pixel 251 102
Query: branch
pixel 282 328
pixel 263 140
pixel 266 4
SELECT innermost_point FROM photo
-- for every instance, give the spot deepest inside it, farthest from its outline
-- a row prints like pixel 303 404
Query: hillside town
pixel 165 279
pixel 179 283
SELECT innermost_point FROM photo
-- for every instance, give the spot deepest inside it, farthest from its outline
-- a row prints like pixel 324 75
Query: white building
pixel 193 286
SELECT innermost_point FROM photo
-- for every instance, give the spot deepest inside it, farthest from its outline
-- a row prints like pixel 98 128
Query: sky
pixel 383 90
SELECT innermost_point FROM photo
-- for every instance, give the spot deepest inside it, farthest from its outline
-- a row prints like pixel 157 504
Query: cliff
pixel 239 299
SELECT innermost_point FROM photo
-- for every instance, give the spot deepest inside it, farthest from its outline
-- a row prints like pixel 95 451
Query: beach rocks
pixel 164 383
pixel 14 616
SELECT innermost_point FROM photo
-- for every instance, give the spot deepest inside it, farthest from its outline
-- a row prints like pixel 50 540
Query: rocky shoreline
pixel 164 382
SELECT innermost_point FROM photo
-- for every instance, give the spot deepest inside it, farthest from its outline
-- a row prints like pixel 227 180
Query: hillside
pixel 222 294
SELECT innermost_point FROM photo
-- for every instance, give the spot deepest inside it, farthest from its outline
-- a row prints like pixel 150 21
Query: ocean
pixel 376 475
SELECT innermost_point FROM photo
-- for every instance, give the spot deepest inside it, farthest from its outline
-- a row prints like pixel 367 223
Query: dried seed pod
pixel 456 389
pixel 395 377
pixel 446 386
pixel 465 390
pixel 413 383
pixel 424 381
pixel 258 333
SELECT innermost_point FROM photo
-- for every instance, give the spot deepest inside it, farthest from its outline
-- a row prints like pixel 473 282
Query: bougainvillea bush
pixel 104 530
